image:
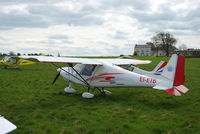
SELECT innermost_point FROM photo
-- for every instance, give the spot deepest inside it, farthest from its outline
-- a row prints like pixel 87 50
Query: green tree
pixel 166 41
pixel 135 53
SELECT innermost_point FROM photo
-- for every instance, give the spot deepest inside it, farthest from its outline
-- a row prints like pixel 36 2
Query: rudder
pixel 179 75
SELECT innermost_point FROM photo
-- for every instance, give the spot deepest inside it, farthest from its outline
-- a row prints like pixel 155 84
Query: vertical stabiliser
pixel 175 72
pixel 167 76
pixel 170 68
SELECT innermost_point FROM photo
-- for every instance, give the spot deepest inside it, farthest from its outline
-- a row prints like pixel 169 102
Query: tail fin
pixel 174 72
pixel 170 69
pixel 159 68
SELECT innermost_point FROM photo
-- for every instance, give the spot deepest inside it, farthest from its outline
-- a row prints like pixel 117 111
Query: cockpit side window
pixel 10 60
pixel 6 58
pixel 88 70
pixel 13 61
pixel 131 68
pixel 128 67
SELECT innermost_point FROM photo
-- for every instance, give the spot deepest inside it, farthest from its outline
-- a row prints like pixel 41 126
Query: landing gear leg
pixel 69 89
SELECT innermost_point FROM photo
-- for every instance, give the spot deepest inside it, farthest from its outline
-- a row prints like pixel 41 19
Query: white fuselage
pixel 110 76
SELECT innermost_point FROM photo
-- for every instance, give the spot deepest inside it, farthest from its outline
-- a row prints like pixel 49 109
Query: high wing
pixel 125 61
pixel 93 61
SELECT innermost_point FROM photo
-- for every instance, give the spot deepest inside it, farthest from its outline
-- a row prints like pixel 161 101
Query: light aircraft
pixel 105 73
pixel 13 61
pixel 6 126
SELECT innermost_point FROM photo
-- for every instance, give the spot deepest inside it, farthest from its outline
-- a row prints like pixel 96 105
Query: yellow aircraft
pixel 13 61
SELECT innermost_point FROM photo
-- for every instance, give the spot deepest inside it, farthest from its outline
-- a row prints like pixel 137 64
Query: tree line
pixel 11 53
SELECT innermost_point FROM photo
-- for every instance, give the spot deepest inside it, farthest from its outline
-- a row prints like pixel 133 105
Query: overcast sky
pixel 94 27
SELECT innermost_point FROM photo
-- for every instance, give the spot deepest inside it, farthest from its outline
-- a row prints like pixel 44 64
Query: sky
pixel 94 27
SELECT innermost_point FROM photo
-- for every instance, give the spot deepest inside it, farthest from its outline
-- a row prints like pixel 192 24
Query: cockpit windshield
pixel 88 70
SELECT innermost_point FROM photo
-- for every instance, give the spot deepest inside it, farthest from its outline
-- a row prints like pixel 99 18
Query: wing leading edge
pixel 93 61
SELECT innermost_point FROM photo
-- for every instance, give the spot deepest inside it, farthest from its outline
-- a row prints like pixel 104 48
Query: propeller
pixel 56 78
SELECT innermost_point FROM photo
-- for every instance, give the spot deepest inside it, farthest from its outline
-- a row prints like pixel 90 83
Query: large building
pixel 148 49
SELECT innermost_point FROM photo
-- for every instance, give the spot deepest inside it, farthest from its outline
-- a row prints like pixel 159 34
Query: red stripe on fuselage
pixel 101 76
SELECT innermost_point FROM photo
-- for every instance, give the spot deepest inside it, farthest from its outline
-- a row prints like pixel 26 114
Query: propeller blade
pixel 56 78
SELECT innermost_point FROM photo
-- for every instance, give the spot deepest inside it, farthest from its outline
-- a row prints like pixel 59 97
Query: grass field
pixel 28 99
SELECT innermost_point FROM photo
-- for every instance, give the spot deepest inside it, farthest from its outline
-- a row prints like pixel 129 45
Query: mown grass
pixel 28 99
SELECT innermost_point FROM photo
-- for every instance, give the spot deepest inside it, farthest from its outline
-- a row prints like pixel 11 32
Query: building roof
pixel 142 46
pixel 147 45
